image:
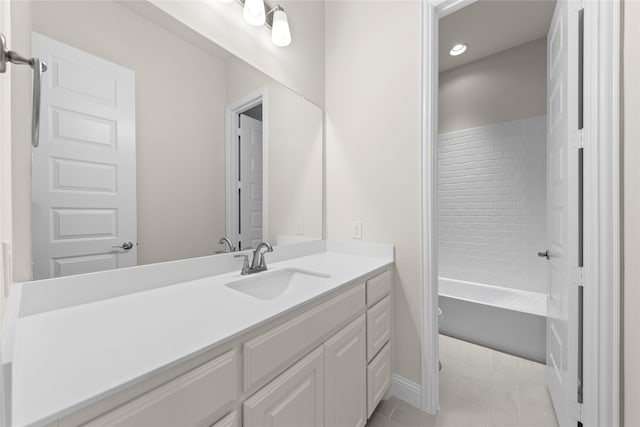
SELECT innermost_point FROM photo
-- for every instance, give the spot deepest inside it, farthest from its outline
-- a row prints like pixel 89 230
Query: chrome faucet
pixel 226 240
pixel 258 263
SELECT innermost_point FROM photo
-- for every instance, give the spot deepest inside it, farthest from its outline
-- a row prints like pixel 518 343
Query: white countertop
pixel 67 358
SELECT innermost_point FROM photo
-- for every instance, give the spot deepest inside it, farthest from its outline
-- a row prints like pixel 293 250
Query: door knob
pixel 544 254
pixel 126 246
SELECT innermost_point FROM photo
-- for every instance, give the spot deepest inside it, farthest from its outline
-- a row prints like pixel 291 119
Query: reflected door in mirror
pixel 84 172
pixel 250 182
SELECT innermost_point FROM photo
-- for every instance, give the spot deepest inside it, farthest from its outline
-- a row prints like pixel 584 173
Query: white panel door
pixel 562 209
pixel 250 182
pixel 84 171
pixel 345 373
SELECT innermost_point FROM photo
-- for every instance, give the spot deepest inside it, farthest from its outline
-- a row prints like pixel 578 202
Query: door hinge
pixel 577 276
pixel 577 412
pixel 581 138
pixel 576 141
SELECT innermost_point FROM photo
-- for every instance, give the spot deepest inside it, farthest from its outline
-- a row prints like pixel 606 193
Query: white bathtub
pixel 508 320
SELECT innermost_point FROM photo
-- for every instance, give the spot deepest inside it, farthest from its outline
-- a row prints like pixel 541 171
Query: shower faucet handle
pixel 544 254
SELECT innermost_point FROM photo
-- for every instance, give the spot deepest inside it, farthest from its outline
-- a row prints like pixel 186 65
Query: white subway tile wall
pixel 492 203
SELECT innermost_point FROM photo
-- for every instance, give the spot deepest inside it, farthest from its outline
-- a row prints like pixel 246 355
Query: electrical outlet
pixel 300 227
pixel 356 230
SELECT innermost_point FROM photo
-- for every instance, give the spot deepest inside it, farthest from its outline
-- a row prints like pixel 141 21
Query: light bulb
pixel 458 49
pixel 280 32
pixel 254 12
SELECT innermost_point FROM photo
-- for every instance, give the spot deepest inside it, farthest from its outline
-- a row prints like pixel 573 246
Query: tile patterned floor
pixel 479 387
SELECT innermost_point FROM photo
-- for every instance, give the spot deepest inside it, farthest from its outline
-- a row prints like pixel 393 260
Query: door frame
pixel 602 238
pixel 232 111
pixel 601 274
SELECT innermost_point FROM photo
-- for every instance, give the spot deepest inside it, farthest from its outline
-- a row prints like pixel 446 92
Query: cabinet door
pixel 345 378
pixel 294 399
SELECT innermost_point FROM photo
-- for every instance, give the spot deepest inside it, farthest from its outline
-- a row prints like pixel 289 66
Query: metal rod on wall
pixel 39 67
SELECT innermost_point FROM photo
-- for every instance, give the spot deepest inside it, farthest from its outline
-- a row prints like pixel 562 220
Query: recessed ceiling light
pixel 458 49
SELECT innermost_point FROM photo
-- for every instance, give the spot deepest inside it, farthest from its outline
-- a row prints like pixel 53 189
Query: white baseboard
pixel 406 390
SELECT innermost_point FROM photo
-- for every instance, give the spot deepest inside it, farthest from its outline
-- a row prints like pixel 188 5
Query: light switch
pixel 356 232
pixel 300 227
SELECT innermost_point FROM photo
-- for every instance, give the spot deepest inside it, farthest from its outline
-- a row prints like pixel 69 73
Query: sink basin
pixel 271 284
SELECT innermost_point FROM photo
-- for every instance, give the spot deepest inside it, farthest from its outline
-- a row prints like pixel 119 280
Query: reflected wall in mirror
pixel 156 143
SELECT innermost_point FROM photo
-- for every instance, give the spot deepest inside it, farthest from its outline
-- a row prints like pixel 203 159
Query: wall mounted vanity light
pixel 280 32
pixel 257 13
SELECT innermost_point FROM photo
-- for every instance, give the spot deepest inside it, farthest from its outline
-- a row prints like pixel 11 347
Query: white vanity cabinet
pixel 357 369
pixel 326 388
pixel 271 352
pixel 327 364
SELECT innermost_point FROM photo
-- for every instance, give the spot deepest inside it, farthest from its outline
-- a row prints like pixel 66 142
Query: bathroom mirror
pixel 156 143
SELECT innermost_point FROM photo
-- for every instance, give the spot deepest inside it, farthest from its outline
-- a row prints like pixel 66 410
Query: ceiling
pixel 491 26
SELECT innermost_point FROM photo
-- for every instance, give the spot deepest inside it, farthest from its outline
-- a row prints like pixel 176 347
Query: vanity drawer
pixel 378 378
pixel 378 287
pixel 378 326
pixel 203 393
pixel 270 353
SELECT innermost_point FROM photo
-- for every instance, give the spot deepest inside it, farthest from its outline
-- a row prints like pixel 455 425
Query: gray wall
pixel 506 86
